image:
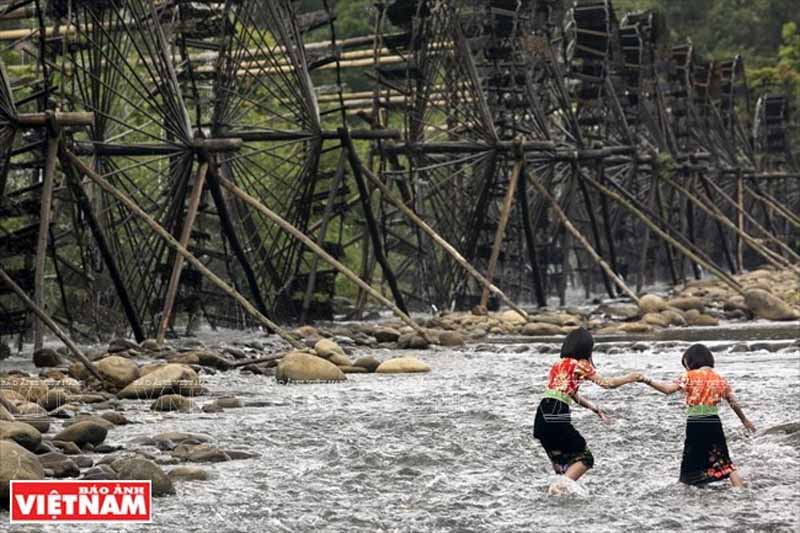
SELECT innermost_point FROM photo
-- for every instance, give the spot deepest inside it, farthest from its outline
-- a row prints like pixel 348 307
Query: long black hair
pixel 578 345
pixel 697 356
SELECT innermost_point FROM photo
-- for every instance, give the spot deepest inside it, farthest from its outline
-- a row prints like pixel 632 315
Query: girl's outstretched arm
pixel 583 402
pixel 734 403
pixel 613 383
pixel 665 388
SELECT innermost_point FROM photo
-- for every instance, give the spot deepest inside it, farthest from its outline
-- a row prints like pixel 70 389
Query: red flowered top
pixel 566 375
pixel 703 386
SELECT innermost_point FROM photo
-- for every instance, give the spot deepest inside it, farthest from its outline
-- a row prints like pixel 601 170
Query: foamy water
pixel 453 451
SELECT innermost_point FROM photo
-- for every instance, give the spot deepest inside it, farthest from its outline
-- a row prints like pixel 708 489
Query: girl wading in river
pixel 705 450
pixel 553 427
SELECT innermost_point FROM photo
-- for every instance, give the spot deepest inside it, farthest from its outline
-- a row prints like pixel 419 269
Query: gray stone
pixel 139 468
pixel 82 433
pixel 47 357
pixel 18 464
pixel 23 434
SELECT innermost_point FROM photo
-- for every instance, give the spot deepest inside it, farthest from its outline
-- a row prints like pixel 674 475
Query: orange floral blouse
pixel 703 386
pixel 566 375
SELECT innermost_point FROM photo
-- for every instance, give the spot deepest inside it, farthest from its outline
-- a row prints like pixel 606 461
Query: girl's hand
pixel 643 379
pixel 749 425
pixel 603 416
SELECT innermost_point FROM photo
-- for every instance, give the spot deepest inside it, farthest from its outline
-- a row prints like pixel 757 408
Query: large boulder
pixel 46 357
pixel 656 319
pixel 5 415
pixel 327 348
pixel 172 402
pixel 300 367
pixel 168 379
pixel 650 303
pixel 695 318
pixel 87 432
pixel 121 371
pixel 674 316
pixel 60 465
pixel 412 341
pixel 16 463
pixel 340 360
pixel 512 318
pixel 764 305
pixel 23 434
pixel 402 365
pixel 139 468
pixel 54 399
pixel 384 334
pixel 188 473
pixel 213 360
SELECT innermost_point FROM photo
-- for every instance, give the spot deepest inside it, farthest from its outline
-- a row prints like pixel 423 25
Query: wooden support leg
pixel 45 212
pixel 186 233
pixel 175 245
pixel 740 221
pixel 372 225
pixel 530 241
pixel 505 212
pixel 46 320
pixel 582 240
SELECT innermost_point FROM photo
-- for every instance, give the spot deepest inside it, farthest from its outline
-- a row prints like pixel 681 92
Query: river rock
pixel 60 465
pixel 650 303
pixel 100 473
pixel 181 437
pixel 172 402
pixel 139 468
pixel 121 371
pixel 695 318
pixel 121 345
pixel 23 434
pixel 54 399
pixel 150 345
pixel 118 419
pixel 47 357
pixel 300 367
pixel 68 448
pixel 327 348
pixel 402 365
pixel 188 473
pixel 30 389
pixel 685 303
pixel 368 362
pixel 168 379
pixel 31 409
pixel 764 305
pixel 340 360
pixel 451 338
pixel 540 329
pixel 213 360
pixel 622 311
pixel 41 423
pixel 674 317
pixel 202 453
pixel 84 432
pixel 656 319
pixel 348 369
pixel 412 341
pixel 184 358
pixel 383 334
pixel 230 402
pixel 19 464
pixel 5 415
pixel 511 318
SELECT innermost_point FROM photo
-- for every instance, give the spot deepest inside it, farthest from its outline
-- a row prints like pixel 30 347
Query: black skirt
pixel 705 451
pixel 562 442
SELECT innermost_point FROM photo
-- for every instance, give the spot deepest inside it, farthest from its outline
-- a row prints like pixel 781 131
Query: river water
pixel 452 451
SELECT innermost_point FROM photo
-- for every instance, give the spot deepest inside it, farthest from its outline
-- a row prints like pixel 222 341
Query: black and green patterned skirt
pixel 562 442
pixel 705 451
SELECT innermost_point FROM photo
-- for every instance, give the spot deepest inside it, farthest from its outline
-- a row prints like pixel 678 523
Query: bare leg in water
pixel 736 480
pixel 576 470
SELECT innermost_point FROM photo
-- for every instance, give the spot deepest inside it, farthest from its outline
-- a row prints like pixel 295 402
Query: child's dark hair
pixel 578 345
pixel 697 356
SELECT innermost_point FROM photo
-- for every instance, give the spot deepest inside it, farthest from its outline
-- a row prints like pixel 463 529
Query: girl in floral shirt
pixel 705 450
pixel 565 447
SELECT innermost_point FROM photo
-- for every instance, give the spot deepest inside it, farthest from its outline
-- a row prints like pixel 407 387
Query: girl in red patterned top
pixel 705 450
pixel 565 447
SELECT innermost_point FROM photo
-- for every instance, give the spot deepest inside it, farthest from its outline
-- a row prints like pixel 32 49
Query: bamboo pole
pixel 732 283
pixel 581 239
pixel 773 204
pixel 49 322
pixel 186 233
pixel 299 235
pixel 45 213
pixel 164 234
pixel 740 222
pixel 713 212
pixel 501 228
pixel 447 247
